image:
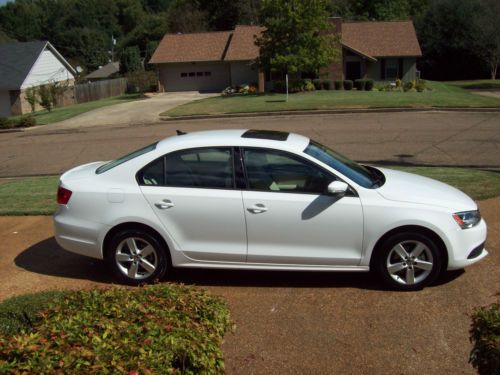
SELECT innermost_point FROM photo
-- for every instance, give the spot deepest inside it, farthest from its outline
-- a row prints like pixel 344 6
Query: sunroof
pixel 273 135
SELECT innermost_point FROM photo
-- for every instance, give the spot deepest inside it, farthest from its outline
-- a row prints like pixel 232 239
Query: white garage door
pixel 4 104
pixel 195 77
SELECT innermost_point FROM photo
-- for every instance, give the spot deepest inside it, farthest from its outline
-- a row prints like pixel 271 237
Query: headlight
pixel 467 219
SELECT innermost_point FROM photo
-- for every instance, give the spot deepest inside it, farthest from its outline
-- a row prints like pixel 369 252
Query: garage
pixel 4 104
pixel 194 77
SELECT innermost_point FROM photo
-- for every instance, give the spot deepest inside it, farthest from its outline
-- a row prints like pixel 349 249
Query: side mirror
pixel 337 188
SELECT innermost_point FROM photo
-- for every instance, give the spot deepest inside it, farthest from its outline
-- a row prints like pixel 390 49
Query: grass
pixel 63 113
pixel 37 195
pixel 484 84
pixel 441 95
pixel 28 196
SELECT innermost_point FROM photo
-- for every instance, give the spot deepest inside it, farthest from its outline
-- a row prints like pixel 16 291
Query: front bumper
pixel 467 246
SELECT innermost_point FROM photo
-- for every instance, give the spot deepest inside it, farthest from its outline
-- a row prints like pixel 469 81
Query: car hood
pixel 82 171
pixel 407 187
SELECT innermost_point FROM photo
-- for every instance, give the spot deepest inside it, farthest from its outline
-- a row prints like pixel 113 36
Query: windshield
pixel 357 173
pixel 106 167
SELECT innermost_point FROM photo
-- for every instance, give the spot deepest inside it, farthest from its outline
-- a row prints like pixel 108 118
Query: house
pixel 104 72
pixel 30 64
pixel 212 61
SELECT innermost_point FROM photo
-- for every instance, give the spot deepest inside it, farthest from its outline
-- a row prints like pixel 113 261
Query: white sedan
pixel 264 200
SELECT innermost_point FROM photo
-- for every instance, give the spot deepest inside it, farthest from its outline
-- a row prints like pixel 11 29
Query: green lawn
pixel 441 95
pixel 63 113
pixel 485 84
pixel 37 195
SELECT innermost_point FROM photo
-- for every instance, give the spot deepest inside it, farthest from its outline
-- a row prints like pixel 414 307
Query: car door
pixel 192 193
pixel 290 218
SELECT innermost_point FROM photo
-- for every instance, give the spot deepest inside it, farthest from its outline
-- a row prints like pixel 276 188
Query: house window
pixel 184 75
pixel 208 74
pixel 199 74
pixel 192 74
pixel 391 69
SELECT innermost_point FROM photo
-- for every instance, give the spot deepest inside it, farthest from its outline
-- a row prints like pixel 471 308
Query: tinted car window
pixel 269 170
pixel 153 173
pixel 200 168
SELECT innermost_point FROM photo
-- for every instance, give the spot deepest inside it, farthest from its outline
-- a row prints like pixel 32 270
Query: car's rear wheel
pixel 408 261
pixel 137 257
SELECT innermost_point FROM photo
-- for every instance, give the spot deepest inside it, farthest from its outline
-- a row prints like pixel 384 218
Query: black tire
pixel 389 257
pixel 147 253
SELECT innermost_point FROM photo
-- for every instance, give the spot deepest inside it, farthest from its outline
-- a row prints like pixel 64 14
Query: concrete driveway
pixel 294 322
pixel 144 111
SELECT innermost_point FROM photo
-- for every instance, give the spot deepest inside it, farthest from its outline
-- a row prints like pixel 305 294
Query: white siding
pixel 4 104
pixel 47 69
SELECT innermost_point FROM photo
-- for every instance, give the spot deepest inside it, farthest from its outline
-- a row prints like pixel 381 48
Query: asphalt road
pixel 416 138
pixel 296 322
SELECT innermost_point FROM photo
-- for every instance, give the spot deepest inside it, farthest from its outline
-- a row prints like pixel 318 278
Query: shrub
pixel 327 84
pixel 369 84
pixel 348 84
pixel 154 329
pixel 409 86
pixel 309 86
pixel 26 121
pixel 318 84
pixel 398 83
pixel 30 95
pixel 420 86
pixel 296 85
pixel 338 85
pixel 141 81
pixel 5 123
pixel 360 84
pixel 279 86
pixel 485 337
pixel 45 97
pixel 130 60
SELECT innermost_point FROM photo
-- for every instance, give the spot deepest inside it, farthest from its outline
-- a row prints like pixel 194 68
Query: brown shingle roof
pixel 242 46
pixel 192 47
pixel 381 39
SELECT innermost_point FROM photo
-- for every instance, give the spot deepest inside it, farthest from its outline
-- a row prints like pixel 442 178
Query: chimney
pixel 337 22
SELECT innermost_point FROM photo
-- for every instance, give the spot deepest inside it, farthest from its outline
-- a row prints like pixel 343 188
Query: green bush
pixel 420 86
pixel 369 84
pixel 141 81
pixel 153 329
pixel 360 84
pixel 296 85
pixel 21 313
pixel 309 85
pixel 25 121
pixel 409 86
pixel 338 85
pixel 318 84
pixel 348 84
pixel 327 84
pixel 485 337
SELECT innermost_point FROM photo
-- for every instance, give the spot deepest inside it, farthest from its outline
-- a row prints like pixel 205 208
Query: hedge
pixel 338 85
pixel 360 84
pixel 154 329
pixel 25 121
pixel 485 337
pixel 348 84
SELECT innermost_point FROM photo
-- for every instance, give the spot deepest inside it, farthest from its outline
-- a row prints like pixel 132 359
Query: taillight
pixel 63 195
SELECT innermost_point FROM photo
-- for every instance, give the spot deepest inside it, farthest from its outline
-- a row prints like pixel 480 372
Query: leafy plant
pixel 327 84
pixel 317 84
pixel 338 85
pixel 485 337
pixel 141 81
pixel 410 86
pixel 369 84
pixel 309 86
pixel 130 60
pixel 348 84
pixel 45 97
pixel 30 95
pixel 154 329
pixel 360 84
pixel 57 90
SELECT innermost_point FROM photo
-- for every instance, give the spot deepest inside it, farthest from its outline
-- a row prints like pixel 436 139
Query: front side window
pixel 271 170
pixel 195 168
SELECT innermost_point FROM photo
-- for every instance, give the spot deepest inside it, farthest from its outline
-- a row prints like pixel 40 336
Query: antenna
pixel 180 132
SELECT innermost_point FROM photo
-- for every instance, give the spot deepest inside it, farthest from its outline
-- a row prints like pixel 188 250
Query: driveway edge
pixel 327 112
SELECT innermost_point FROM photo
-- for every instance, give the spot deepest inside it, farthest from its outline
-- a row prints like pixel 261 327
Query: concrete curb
pixel 327 112
pixel 18 130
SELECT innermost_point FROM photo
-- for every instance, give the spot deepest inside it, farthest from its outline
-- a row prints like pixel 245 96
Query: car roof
pixel 235 137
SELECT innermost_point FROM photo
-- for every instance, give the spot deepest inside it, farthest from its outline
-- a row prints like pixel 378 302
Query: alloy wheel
pixel 136 258
pixel 410 262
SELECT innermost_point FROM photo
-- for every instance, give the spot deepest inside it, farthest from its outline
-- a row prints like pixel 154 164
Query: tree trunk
pixel 494 68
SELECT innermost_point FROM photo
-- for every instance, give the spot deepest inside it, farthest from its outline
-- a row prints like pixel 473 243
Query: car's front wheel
pixel 137 257
pixel 408 261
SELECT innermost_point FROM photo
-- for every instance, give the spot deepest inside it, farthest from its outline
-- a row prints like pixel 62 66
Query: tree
pixel 488 35
pixel 296 38
pixel 31 97
pixel 150 49
pixel 45 97
pixel 185 16
pixel 130 60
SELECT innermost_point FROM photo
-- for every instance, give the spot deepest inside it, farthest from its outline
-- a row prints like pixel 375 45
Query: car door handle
pixel 164 204
pixel 257 208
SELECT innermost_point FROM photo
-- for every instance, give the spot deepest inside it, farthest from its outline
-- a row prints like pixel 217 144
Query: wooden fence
pixel 87 92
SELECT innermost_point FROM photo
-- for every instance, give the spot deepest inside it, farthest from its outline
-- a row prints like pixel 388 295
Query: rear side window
pixel 195 168
pixel 123 159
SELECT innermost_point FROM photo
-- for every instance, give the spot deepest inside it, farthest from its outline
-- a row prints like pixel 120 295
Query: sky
pixel 2 2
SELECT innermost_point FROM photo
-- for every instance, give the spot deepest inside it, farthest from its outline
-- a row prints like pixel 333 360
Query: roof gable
pixel 209 46
pixel 381 39
pixel 17 61
pixel 242 46
pixel 105 71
